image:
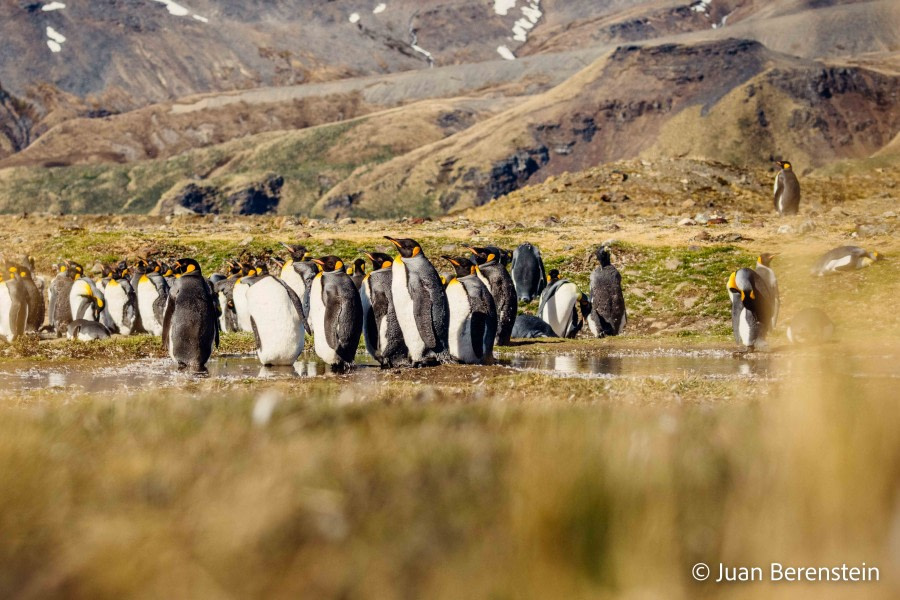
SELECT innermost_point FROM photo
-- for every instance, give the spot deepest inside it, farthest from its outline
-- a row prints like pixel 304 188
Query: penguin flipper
pixel 298 304
pixel 255 335
pixel 166 322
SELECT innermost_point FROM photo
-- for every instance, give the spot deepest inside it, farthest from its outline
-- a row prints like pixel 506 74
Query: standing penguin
pixel 473 315
pixel 751 307
pixel 420 302
pixel 298 272
pixel 381 329
pixel 787 190
pixel 559 301
pixel 276 317
pixel 844 258
pixel 60 309
pixel 335 314
pixel 13 303
pixel 764 268
pixel 35 297
pixel 493 273
pixel 152 293
pixel 239 295
pixel 86 301
pixel 357 272
pixel 528 272
pixel 189 326
pixel 608 315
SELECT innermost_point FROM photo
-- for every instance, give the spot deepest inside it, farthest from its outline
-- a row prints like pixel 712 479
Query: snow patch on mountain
pixel 180 11
pixel 55 40
pixel 379 9
pixel 506 53
pixel 53 6
pixel 354 18
pixel 531 14
pixel 502 7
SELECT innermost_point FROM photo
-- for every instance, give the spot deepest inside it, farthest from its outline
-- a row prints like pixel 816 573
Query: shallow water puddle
pixel 98 376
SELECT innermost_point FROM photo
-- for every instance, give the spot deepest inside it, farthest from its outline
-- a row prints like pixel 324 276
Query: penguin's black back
pixel 395 351
pixel 190 321
pixel 607 299
pixel 343 314
pixel 528 274
pixel 484 319
pixel 530 326
pixel 504 292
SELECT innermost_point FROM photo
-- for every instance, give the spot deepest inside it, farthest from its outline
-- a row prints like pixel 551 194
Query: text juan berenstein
pixel 780 572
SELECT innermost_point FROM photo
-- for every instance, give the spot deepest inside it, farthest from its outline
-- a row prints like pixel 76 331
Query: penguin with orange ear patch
pixel 787 189
pixel 335 314
pixel 751 308
pixel 190 326
pixel 384 338
pixel 473 315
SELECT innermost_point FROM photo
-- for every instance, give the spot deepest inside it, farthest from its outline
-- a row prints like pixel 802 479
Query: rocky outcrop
pixel 255 198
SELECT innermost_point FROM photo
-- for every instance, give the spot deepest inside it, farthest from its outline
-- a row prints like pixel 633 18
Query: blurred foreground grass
pixel 495 486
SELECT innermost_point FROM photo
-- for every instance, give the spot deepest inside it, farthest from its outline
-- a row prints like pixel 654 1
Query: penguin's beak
pixel 392 240
pixel 318 262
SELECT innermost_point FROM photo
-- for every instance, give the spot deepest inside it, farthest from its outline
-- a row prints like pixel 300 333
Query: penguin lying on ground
pixel 335 314
pixel 13 303
pixel 473 315
pixel 384 338
pixel 189 325
pixel 558 304
pixel 420 302
pixel 276 317
pixel 751 307
pixel 528 274
pixel 786 190
pixel 764 268
pixel 608 315
pixel 529 326
pixel 493 273
pixel 844 258
pixel 810 326
pixel 83 330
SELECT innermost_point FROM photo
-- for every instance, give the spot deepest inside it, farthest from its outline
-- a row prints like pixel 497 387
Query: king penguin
pixel 751 308
pixel 335 314
pixel 13 304
pixel 276 317
pixel 528 274
pixel 239 295
pixel 59 308
pixel 844 258
pixel 420 302
pixel 152 293
pixel 764 268
pixel 298 272
pixel 786 190
pixel 189 325
pixel 35 297
pixel 121 299
pixel 381 329
pixel 530 326
pixel 85 331
pixel 559 301
pixel 473 315
pixel 357 272
pixel 86 301
pixel 493 273
pixel 608 315
pixel 810 326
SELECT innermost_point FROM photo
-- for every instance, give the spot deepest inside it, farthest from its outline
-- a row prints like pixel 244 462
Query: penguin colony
pixel 405 311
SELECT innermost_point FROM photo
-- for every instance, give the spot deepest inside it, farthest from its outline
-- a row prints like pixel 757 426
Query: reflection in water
pixel 152 373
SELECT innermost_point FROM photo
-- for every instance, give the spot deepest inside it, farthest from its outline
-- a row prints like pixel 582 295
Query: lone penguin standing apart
pixel 787 190
pixel 335 314
pixel 492 271
pixel 420 302
pixel 384 338
pixel 528 272
pixel 473 315
pixel 764 268
pixel 189 326
pixel 751 307
pixel 608 315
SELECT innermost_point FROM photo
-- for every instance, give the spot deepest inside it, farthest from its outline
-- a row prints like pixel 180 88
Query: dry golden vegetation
pixel 486 482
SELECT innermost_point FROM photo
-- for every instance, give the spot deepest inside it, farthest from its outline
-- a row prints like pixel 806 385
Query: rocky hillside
pixel 339 109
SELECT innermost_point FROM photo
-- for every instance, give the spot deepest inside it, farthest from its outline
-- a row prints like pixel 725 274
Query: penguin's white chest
pixel 5 309
pixel 79 297
pixel 744 327
pixel 116 299
pixel 406 315
pixel 241 306
pixel 293 279
pixel 147 295
pixel 278 325
pixel 460 338
pixel 558 310
pixel 317 310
